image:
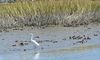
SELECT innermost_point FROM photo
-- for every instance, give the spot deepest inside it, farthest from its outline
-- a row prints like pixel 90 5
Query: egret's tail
pixel 35 42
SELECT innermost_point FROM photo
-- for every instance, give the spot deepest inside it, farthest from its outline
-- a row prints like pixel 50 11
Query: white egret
pixel 34 40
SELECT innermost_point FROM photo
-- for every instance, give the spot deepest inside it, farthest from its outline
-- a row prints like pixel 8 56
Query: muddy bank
pixel 44 20
pixel 51 39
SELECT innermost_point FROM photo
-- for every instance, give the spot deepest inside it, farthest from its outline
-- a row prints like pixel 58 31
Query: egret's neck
pixel 31 36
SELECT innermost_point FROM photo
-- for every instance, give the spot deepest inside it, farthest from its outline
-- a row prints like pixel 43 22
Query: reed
pixel 51 6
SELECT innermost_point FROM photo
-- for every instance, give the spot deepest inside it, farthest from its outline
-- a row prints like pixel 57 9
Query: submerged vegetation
pixel 49 12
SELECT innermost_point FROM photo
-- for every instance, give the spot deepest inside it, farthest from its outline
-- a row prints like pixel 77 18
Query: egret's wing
pixel 35 42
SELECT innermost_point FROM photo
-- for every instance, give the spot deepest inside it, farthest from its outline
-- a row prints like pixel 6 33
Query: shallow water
pixel 82 55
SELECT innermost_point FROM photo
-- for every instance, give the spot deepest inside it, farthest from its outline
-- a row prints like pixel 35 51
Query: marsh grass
pixel 49 12
pixel 51 6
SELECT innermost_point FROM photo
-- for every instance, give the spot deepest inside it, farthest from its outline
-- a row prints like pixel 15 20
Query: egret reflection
pixel 36 56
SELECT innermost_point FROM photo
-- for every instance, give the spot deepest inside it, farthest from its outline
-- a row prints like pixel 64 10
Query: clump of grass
pixel 49 12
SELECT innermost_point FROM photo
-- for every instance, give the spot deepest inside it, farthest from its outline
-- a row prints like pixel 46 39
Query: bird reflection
pixel 36 56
